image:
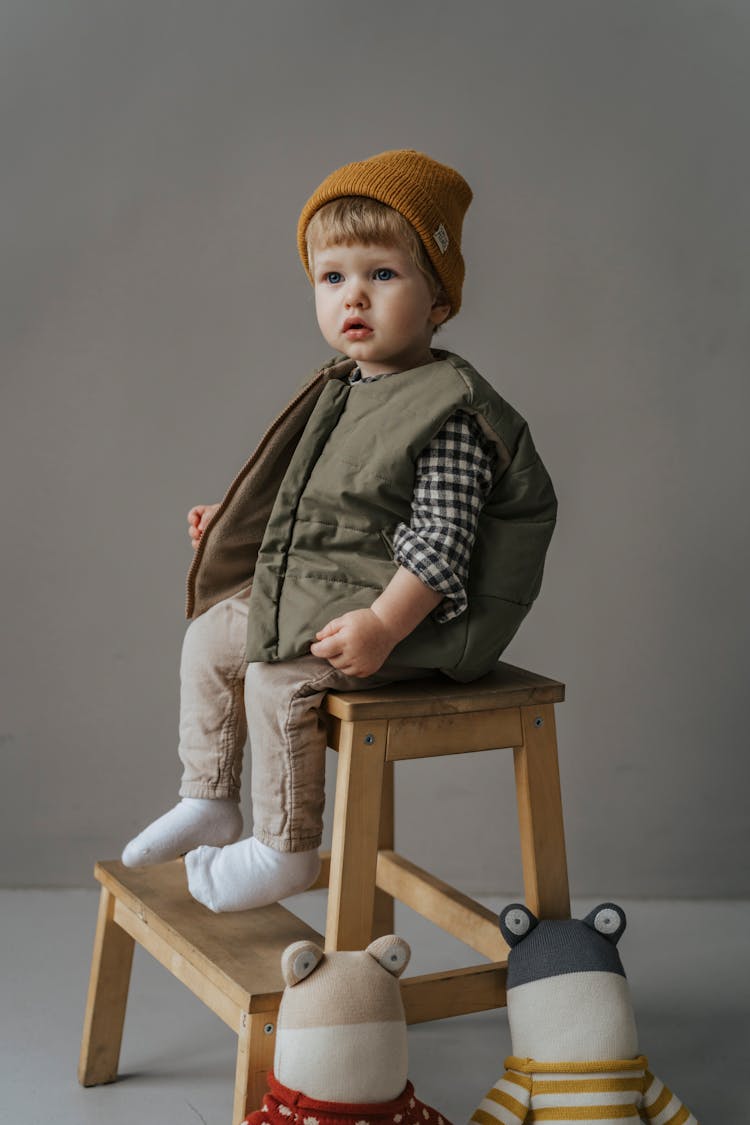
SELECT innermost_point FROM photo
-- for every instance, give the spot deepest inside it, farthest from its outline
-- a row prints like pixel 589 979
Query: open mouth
pixel 354 325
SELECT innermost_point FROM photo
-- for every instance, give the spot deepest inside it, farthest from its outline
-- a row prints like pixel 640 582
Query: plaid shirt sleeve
pixel 454 477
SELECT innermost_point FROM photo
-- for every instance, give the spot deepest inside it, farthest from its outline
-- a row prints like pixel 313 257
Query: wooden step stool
pixel 232 961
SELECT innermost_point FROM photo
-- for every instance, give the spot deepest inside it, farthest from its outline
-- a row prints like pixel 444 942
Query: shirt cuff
pixel 426 563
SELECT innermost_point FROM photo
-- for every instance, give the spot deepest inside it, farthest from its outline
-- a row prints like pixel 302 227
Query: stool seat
pixel 232 961
pixel 505 686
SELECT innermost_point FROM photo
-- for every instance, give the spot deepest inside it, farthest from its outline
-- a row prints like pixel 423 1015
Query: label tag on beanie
pixel 441 237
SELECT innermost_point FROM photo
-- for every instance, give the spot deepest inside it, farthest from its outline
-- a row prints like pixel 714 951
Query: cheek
pixel 404 315
pixel 416 309
pixel 323 307
pixel 414 317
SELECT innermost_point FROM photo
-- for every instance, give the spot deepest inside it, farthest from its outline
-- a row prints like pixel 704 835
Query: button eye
pixel 607 921
pixel 518 922
pixel 395 959
pixel 304 963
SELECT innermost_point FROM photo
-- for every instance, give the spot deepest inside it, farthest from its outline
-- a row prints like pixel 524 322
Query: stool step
pixel 231 961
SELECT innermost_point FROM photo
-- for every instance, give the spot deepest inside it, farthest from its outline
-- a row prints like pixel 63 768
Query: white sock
pixel 248 874
pixel 194 821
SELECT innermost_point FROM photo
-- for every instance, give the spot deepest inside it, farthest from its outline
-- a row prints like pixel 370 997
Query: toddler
pixel 392 523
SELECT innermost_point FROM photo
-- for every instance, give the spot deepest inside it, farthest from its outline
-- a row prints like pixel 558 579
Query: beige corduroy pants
pixel 223 699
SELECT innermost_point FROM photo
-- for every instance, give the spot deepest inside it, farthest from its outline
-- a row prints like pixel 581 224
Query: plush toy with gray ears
pixel 341 1051
pixel 575 1045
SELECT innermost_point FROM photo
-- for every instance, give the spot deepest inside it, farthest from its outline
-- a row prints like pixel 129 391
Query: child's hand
pixel 198 518
pixel 357 643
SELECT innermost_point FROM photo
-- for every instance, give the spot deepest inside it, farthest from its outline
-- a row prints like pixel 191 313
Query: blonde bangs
pixel 357 218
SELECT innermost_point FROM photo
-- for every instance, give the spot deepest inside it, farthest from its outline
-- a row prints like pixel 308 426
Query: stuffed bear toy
pixel 341 1050
pixel 575 1046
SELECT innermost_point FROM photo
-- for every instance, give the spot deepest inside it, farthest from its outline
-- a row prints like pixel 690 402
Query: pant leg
pixel 283 703
pixel 213 726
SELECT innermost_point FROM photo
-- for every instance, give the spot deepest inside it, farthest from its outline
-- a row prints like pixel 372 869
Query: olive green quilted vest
pixel 327 543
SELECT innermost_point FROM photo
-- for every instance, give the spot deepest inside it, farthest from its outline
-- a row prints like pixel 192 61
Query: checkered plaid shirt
pixel 454 475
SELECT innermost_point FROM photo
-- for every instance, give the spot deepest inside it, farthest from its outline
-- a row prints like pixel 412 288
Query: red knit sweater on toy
pixel 282 1106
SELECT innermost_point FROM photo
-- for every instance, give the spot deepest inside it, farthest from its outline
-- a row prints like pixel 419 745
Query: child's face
pixel 375 306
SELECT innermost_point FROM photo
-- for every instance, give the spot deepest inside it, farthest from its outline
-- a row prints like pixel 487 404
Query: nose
pixel 356 294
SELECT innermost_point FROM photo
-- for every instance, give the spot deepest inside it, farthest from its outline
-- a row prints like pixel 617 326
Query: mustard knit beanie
pixel 430 196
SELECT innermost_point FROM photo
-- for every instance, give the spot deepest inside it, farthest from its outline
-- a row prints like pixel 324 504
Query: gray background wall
pixel 154 159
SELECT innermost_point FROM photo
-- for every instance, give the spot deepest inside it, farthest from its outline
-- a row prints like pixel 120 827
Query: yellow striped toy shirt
pixel 608 1092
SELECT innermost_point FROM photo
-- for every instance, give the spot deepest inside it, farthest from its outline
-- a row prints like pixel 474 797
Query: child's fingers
pixel 329 629
pixel 327 648
pixel 331 642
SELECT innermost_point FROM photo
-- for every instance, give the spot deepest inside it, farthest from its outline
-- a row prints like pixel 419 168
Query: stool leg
pixel 107 997
pixel 356 826
pixel 255 1047
pixel 383 921
pixel 545 872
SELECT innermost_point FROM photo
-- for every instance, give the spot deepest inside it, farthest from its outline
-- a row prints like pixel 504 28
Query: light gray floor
pixel 688 965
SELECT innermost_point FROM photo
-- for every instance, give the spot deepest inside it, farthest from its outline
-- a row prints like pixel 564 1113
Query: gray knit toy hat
pixel 552 947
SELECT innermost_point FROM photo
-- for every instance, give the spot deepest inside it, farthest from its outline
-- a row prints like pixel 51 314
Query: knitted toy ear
pixel 609 920
pixel 299 960
pixel 391 952
pixel 516 921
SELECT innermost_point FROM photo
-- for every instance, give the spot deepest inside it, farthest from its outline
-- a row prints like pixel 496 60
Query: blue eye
pixel 334 277
pixel 384 274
